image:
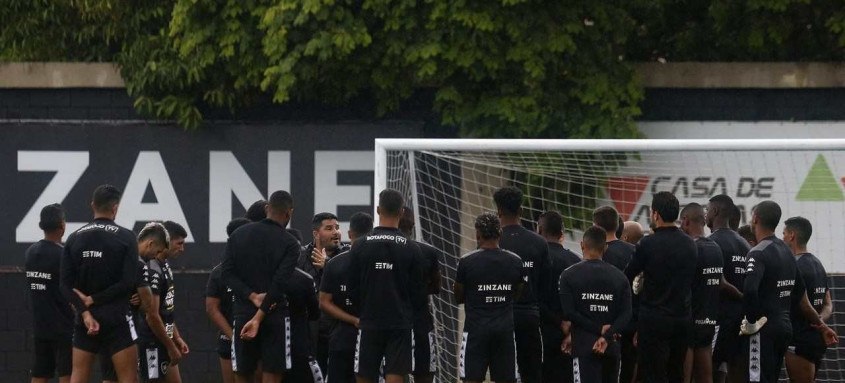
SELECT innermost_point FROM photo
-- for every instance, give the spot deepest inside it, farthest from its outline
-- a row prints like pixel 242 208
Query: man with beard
pixel 325 232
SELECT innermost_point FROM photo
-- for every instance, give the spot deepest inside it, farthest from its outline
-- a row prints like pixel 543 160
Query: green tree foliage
pixel 506 68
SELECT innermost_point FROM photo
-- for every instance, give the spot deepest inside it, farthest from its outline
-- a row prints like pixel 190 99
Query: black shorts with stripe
pixel 392 347
pixel 272 346
pixel 484 349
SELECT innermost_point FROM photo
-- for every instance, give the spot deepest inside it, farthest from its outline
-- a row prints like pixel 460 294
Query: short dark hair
pixel 318 219
pixel 295 233
pixel 736 215
pixel 155 231
pixel 280 201
pixel 607 218
pixel 666 205
pixel 802 228
pixel 694 212
pixel 488 226
pixel 508 200
pixel 551 223
pixel 768 214
pixel 390 202
pixel 595 238
pixel 235 224
pixel 361 223
pixel 256 211
pixel 620 227
pixel 176 230
pixel 52 217
pixel 744 231
pixel 105 197
pixel 724 203
pixel 406 222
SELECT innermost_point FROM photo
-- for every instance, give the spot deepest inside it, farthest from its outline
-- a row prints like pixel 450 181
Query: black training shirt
pixel 708 275
pixel 667 260
pixel 101 260
pixel 734 252
pixel 385 280
pixel 52 314
pixel 594 293
pixel 619 254
pixel 560 259
pixel 815 281
pixel 335 275
pixel 490 278
pixel 772 282
pixel 159 278
pixel 259 258
pixel 534 252
pixel 430 269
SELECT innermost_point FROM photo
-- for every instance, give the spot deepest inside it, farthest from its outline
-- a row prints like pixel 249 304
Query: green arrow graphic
pixel 820 185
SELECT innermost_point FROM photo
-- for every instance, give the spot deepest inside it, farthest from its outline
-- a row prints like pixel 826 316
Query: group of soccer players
pixel 673 306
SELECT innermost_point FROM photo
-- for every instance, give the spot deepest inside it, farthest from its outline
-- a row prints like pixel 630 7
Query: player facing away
pixel 100 260
pixel 386 287
pixel 727 355
pixel 705 296
pixel 258 266
pixel 325 244
pixel 336 302
pixel 619 254
pixel 806 351
pixel 302 308
pixel 488 281
pixel 534 252
pixel 596 299
pixel 773 289
pixel 557 367
pixel 52 315
pixel 667 260
pixel 218 307
pixel 425 360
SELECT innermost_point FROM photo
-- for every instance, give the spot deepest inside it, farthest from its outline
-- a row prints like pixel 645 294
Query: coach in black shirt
pixel 385 283
pixel 259 261
pixel 52 315
pixel 667 260
pixel 534 252
pixel 335 302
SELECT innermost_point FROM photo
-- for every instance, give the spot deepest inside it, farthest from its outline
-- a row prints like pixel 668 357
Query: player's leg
pixel 44 361
pixel 529 348
pixel 552 356
pixel 586 369
pixel 82 361
pixel 422 352
pixel 367 356
pixel 64 359
pixel 688 365
pixel 173 375
pixel 703 365
pixel 125 364
pixel 398 361
pixel 224 356
pixel 341 368
pixel 628 358
pixel 800 370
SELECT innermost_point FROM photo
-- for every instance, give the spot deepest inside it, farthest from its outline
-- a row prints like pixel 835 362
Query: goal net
pixel 448 183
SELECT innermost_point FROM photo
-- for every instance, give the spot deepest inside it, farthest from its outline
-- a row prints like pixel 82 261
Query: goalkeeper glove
pixel 637 286
pixel 751 328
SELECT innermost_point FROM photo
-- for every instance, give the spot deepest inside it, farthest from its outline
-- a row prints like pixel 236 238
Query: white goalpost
pixel 447 182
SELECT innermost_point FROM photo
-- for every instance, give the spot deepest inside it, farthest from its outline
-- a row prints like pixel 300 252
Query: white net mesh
pixel 447 189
